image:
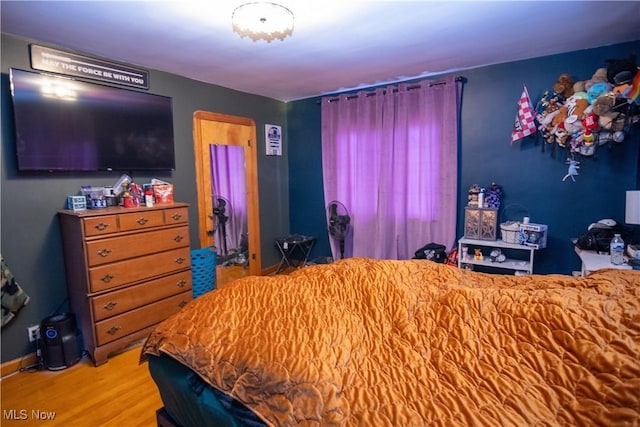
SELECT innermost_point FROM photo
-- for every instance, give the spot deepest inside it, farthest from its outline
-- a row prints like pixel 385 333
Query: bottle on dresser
pixel 616 249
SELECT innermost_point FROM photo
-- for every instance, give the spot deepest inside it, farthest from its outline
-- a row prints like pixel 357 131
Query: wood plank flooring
pixel 118 393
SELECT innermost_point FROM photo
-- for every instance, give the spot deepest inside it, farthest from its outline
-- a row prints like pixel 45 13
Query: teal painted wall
pixel 530 178
pixel 30 235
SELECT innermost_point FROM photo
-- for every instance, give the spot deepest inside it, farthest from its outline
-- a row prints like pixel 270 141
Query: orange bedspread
pixel 412 343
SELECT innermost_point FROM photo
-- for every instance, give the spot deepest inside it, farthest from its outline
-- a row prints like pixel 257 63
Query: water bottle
pixel 617 249
pixel 148 198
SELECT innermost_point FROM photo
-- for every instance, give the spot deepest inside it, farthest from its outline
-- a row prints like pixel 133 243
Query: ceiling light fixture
pixel 262 21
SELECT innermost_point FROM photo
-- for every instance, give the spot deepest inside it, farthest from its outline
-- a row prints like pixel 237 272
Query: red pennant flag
pixel 525 119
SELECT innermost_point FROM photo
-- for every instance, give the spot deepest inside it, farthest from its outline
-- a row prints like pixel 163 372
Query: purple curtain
pixel 391 157
pixel 229 182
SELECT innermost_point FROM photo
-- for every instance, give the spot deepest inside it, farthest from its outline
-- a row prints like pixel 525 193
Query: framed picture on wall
pixel 273 136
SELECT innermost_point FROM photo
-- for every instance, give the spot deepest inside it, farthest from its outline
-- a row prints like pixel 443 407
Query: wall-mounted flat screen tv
pixel 63 124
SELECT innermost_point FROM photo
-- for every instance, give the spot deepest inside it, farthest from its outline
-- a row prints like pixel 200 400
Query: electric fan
pixel 222 214
pixel 339 221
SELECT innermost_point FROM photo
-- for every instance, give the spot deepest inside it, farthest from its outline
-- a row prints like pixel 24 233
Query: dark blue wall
pixel 531 178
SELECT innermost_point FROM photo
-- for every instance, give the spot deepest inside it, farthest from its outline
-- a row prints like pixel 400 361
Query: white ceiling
pixel 336 45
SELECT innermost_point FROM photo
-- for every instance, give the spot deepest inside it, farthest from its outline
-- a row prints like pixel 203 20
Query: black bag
pixel 599 237
pixel 432 252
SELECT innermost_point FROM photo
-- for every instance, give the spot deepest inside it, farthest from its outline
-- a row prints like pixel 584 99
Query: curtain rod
pixel 415 86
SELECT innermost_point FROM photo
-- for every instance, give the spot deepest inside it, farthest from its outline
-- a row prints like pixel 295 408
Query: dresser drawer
pixel 118 248
pixel 141 220
pixel 176 216
pixel 100 225
pixel 140 318
pixel 120 301
pixel 120 273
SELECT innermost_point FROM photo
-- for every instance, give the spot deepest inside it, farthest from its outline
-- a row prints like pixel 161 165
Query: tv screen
pixel 71 125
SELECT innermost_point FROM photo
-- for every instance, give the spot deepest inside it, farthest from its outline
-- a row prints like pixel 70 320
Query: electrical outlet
pixel 34 333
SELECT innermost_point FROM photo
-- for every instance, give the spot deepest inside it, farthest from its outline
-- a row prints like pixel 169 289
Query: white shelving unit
pixel 523 265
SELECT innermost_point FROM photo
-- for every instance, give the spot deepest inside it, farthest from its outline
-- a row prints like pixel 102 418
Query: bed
pixel 364 342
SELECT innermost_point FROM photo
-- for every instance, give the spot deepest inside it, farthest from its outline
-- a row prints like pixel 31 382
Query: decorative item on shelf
pixel 480 223
pixel 478 254
pixel 533 235
pixel 162 191
pixel 493 197
pixel 496 255
pixel 130 195
pixel 98 203
pixel 76 203
pixel 122 184
pixel 95 196
pixel 129 201
pixel 481 198
pixel 512 216
pixel 474 191
pixel 509 232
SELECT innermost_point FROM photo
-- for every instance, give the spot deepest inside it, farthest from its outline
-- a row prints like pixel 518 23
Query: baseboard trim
pixel 13 366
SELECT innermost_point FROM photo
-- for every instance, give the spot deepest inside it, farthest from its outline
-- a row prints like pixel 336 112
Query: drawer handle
pixel 113 330
pixel 178 238
pixel 142 221
pixel 107 278
pixel 102 226
pixel 104 252
pixel 111 305
pixel 182 283
pixel 180 260
pixel 176 216
pixel 182 303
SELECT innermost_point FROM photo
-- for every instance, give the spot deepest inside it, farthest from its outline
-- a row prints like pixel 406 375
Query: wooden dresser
pixel 127 270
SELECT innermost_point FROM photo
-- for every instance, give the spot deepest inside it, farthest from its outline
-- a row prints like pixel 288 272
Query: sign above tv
pixel 71 64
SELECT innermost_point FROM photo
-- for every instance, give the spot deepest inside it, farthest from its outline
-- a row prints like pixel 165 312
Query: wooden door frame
pixel 201 149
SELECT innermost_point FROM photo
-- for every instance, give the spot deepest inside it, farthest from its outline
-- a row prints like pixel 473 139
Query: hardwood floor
pixel 118 393
pixel 225 275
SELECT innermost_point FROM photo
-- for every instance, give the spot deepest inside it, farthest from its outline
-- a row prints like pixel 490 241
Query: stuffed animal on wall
pixel 604 104
pixel 608 116
pixel 581 115
pixel 632 93
pixel 564 85
pixel 546 109
pixel 574 165
pixel 562 136
pixel 576 108
pixel 560 117
pixel 600 76
pixel 598 89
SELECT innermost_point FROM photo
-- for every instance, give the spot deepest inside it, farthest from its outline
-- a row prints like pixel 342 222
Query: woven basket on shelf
pixel 509 231
pixel 512 215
